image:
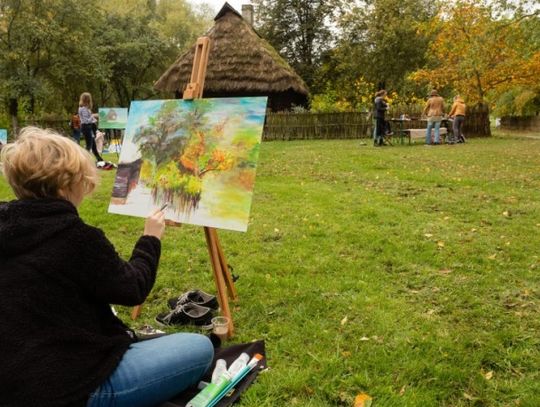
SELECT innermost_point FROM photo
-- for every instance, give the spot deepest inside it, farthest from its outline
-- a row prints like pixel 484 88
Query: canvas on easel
pixel 199 156
pixel 3 137
pixel 112 117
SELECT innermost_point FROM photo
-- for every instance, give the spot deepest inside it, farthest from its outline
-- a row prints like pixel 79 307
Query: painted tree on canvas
pixel 179 149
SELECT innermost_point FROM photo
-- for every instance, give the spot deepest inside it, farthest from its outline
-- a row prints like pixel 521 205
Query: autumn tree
pixel 179 148
pixel 477 54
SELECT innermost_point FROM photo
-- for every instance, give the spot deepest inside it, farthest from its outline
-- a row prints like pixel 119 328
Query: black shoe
pixel 196 297
pixel 186 314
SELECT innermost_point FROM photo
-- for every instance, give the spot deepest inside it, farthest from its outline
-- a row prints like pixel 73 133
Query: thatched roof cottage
pixel 241 63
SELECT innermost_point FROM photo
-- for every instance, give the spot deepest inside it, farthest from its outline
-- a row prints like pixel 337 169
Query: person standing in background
pixel 75 124
pixel 458 114
pixel 434 111
pixel 379 109
pixel 87 119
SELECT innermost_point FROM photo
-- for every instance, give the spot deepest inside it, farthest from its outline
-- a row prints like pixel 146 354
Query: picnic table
pixel 415 133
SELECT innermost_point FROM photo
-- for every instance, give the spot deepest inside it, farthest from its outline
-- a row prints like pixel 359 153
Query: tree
pixel 179 148
pixel 41 42
pixel 378 47
pixel 383 37
pixel 477 54
pixel 300 30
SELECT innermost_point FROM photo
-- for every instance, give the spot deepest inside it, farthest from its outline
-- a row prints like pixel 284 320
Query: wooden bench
pixel 416 134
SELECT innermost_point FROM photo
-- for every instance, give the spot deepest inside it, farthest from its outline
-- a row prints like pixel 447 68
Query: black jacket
pixel 379 107
pixel 59 339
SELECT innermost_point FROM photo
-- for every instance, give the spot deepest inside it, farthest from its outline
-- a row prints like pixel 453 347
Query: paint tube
pixel 221 367
pixel 209 393
pixel 236 366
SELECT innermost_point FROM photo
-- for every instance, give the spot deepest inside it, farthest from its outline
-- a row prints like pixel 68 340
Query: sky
pixel 217 4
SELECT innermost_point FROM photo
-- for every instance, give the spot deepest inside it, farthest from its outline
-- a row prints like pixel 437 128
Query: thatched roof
pixel 239 61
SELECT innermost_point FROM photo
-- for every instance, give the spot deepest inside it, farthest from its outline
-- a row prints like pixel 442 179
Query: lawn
pixel 407 273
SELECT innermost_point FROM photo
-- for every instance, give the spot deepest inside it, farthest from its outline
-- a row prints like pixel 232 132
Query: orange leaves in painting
pixel 193 151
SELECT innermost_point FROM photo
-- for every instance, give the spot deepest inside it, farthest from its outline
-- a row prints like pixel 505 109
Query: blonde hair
pixel 86 100
pixel 43 164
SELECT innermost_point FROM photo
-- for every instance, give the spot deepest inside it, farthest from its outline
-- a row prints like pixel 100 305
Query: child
pixel 99 140
pixel 75 124
pixel 87 121
pixel 60 344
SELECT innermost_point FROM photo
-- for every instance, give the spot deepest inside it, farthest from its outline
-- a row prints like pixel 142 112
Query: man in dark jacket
pixel 60 343
pixel 379 110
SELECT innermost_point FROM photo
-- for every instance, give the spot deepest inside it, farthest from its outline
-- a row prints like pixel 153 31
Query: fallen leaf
pixel 362 400
pixel 428 235
pixel 507 214
pixel 445 271
pixel 468 396
pixel 492 257
pixel 364 338
pixel 402 391
pixel 276 230
pixel 346 354
pixel 489 375
pixel 344 321
pixel 440 244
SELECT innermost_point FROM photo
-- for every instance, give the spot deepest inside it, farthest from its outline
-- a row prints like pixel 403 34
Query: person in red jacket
pixel 60 343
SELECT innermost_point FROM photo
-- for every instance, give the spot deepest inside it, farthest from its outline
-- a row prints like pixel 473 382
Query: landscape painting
pixel 197 156
pixel 113 117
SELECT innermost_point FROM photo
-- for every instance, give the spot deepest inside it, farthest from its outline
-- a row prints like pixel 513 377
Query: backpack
pixel 75 122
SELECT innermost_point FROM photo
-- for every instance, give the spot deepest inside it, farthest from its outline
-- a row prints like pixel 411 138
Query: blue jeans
pixel 77 135
pixel 153 371
pixel 436 125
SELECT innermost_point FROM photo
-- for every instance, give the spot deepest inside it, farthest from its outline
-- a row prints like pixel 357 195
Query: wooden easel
pixel 222 276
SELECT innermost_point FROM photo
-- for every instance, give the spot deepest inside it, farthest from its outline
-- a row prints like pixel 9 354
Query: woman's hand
pixel 155 224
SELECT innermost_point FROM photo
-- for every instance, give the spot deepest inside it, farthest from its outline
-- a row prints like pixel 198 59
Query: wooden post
pixel 222 276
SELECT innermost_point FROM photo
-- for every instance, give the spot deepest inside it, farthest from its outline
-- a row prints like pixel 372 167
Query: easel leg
pixel 219 275
pixel 224 267
pixel 136 312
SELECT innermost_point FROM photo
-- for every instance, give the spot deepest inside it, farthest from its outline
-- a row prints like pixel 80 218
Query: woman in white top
pixel 85 114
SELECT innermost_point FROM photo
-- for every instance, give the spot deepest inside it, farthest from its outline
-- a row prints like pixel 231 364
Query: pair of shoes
pixel 197 297
pixel 186 314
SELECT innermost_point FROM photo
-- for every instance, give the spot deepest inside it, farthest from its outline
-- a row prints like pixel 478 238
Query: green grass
pixel 408 273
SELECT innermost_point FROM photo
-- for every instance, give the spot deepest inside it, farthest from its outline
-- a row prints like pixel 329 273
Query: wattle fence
pixel 339 125
pixel 350 125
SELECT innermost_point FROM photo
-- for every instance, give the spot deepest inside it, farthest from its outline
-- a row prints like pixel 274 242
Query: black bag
pixel 229 354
